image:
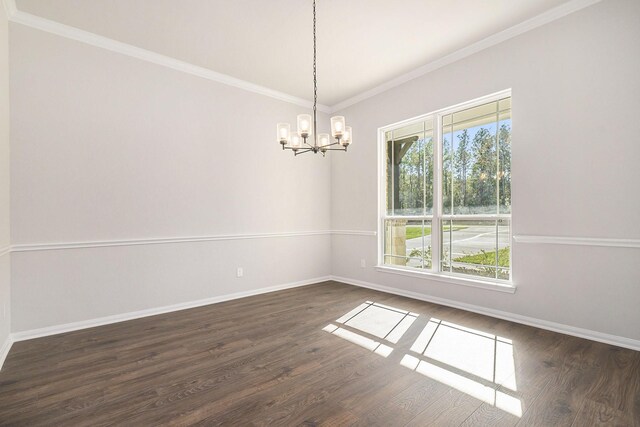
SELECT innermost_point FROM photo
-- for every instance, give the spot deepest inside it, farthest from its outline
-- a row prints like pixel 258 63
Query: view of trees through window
pixel 471 218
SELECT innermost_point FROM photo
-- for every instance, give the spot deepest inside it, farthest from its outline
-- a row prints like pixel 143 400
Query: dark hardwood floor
pixel 326 354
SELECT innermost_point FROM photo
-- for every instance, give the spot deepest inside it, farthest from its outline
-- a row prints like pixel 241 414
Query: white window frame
pixel 436 217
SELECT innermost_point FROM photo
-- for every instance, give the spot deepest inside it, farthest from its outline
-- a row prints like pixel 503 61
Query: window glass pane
pixel 410 170
pixel 483 172
pixel 408 130
pixel 462 164
pixel 475 165
pixel 445 246
pixel 418 234
pixel 403 242
pixel 505 104
pixel 476 160
pixel 447 166
pixel 504 249
pixel 429 169
pixel 469 247
pixel 475 116
pixel 504 163
pixel 409 175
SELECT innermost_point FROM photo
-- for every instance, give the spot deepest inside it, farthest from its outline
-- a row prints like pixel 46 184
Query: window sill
pixel 501 286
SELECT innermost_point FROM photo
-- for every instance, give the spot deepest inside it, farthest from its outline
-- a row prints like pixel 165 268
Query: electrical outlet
pixel 363 263
pixel 239 272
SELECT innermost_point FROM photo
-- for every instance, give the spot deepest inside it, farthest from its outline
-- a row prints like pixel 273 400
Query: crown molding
pixel 528 25
pixel 9 8
pixel 53 27
pixel 73 33
pixel 578 241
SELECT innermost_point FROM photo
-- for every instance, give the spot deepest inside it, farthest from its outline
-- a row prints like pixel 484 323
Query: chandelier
pixel 299 141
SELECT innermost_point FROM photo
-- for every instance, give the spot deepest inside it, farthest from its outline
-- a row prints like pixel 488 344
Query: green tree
pixel 447 166
pixel 462 164
pixel 504 167
pixel 484 169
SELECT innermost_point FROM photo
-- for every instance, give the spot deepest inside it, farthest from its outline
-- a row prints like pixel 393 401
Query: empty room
pixel 320 212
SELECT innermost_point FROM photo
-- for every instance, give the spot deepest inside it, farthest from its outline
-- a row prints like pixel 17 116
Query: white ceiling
pixel 361 43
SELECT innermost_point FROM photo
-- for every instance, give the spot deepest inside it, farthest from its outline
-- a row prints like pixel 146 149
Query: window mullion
pixel 436 222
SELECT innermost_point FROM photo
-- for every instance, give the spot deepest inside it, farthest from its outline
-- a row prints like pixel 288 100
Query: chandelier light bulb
pixel 337 126
pixel 304 125
pixel 295 140
pixel 323 140
pixel 347 136
pixel 284 130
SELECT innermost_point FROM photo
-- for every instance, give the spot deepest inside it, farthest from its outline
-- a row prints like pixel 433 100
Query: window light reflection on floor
pixel 474 362
pixel 486 359
pixel 379 320
pixel 376 320
pixel 368 343
pixel 484 355
pixel 466 385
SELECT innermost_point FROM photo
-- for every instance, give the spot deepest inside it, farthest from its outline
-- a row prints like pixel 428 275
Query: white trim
pixel 525 320
pixel 157 241
pixel 584 241
pixel 354 232
pixel 91 323
pixel 93 39
pixel 4 350
pixel 14 15
pixel 455 280
pixel 528 25
pixel 581 241
pixel 9 8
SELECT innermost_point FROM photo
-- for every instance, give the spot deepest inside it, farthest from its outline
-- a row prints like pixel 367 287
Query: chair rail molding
pixel 27 247
pixel 580 241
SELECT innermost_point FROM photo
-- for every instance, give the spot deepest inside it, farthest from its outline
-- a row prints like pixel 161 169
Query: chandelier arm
pixel 336 149
pixel 332 144
pixel 302 151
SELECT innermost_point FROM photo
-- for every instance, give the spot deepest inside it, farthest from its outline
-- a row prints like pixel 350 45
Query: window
pixel 447 192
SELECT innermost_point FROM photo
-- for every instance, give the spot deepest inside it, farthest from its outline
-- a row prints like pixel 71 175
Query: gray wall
pixel 576 103
pixel 107 147
pixel 5 295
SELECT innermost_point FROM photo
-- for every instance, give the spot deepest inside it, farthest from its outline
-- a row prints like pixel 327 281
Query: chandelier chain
pixel 315 79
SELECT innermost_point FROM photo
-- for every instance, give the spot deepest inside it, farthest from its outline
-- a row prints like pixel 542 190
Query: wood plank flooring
pixel 284 358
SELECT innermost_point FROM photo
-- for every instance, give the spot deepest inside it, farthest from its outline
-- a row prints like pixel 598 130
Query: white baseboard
pixel 543 324
pixel 530 321
pixel 4 350
pixel 84 324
